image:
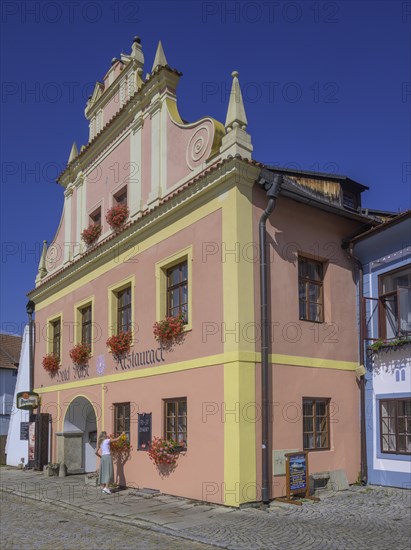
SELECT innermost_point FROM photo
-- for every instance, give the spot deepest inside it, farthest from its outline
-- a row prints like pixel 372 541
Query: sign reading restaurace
pixel 141 359
pixel 27 400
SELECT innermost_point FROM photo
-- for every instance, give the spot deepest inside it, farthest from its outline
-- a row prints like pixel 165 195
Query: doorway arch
pixel 80 424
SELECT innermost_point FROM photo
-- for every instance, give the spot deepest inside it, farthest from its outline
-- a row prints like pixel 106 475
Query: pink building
pixel 190 244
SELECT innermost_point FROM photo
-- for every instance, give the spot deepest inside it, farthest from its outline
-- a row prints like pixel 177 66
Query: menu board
pixel 297 477
pixel 144 431
pixel 24 431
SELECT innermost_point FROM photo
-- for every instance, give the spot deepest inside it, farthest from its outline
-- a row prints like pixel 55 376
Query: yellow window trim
pixel 78 320
pixel 49 333
pixel 113 300
pixel 186 254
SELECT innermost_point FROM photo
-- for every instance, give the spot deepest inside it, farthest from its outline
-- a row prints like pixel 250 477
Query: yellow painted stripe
pixel 201 362
pixel 313 362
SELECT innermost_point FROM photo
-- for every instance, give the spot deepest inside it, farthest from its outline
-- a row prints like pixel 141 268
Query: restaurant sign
pixel 27 400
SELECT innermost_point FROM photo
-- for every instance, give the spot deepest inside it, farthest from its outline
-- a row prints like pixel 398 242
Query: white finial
pixel 73 152
pixel 160 58
pixel 236 141
pixel 235 112
pixel 42 271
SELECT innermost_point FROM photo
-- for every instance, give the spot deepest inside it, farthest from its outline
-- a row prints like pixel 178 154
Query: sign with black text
pixel 144 431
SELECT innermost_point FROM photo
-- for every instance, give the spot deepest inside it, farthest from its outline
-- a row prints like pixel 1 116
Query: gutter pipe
pixel 272 184
pixel 364 466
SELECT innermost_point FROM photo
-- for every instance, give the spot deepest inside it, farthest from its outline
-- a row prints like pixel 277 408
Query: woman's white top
pixel 105 447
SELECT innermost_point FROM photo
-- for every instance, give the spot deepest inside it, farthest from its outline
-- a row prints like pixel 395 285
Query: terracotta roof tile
pixel 10 347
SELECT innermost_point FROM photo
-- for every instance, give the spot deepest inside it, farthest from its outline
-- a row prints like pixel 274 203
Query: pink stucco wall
pixel 206 282
pixel 204 439
pixel 294 228
pixel 108 176
pixel 287 427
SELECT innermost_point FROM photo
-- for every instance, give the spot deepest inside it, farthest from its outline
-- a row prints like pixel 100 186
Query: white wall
pixel 16 449
pixel 7 384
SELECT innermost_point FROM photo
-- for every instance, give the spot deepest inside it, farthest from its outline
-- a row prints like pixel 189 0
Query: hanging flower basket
pixel 91 234
pixel 80 354
pixel 119 344
pixel 51 363
pixel 117 215
pixel 169 328
pixel 164 451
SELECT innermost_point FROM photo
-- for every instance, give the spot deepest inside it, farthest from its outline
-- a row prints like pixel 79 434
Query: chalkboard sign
pixel 144 431
pixel 24 431
pixel 297 464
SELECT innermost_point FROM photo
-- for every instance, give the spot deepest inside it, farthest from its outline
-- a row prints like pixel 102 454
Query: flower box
pixel 91 233
pixel 51 363
pixel 388 345
pixel 169 328
pixel 80 354
pixel 164 451
pixel 119 344
pixel 117 215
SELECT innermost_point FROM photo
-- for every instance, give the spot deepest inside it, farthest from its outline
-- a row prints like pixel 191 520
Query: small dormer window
pixel 350 200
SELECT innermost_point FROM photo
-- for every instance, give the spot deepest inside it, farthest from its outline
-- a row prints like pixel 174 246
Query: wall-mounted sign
pixel 27 400
pixel 24 431
pixel 144 431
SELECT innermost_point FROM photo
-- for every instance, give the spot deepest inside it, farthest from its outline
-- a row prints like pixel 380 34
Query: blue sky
pixel 326 87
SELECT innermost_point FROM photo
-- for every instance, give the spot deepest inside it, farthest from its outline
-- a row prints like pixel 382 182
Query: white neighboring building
pixel 385 253
pixel 15 448
pixel 10 346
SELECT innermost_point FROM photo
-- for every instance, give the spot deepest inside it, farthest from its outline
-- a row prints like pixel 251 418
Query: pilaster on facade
pixel 135 182
pixel 156 191
pixel 68 198
pixel 80 186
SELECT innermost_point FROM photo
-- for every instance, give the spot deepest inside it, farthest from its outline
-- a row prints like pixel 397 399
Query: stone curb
pixel 142 524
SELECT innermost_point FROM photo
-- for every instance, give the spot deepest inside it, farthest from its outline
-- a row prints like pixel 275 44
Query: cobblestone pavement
pixel 39 525
pixel 377 518
pixel 360 518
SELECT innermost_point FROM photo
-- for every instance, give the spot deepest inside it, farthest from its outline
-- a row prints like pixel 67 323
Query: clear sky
pixel 326 86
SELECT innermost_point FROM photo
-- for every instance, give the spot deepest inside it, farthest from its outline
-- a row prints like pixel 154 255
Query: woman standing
pixel 106 472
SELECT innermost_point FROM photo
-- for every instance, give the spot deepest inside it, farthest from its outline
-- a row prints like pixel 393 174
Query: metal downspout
pixel 272 184
pixel 364 467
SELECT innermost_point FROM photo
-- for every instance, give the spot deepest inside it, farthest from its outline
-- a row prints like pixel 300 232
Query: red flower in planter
pixel 117 215
pixel 120 449
pixel 92 233
pixel 119 344
pixel 80 354
pixel 164 451
pixel 51 363
pixel 169 328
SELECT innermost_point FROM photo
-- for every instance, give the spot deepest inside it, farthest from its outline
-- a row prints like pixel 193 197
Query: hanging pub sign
pixel 297 478
pixel 144 431
pixel 27 400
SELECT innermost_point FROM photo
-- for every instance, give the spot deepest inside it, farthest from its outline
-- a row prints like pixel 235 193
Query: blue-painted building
pixel 385 255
